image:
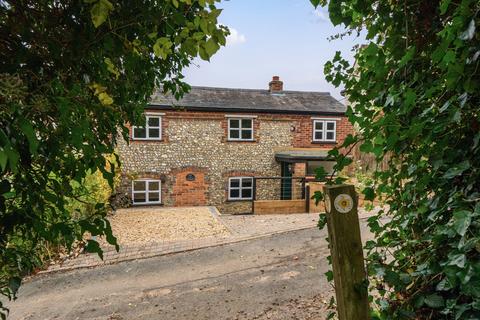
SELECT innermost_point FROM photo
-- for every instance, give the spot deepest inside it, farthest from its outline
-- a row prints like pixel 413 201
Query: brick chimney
pixel 275 86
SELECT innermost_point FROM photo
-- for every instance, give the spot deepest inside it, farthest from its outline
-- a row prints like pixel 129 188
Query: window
pixel 240 188
pixel 151 131
pixel 312 165
pixel 324 130
pixel 146 191
pixel 240 129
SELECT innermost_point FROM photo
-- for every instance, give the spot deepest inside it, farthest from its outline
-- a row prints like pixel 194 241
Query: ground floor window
pixel 146 191
pixel 313 165
pixel 240 188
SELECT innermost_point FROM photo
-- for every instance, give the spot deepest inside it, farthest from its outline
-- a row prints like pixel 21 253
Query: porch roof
pixel 301 155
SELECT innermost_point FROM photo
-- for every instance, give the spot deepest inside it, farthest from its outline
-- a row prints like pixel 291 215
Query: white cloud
pixel 321 15
pixel 235 37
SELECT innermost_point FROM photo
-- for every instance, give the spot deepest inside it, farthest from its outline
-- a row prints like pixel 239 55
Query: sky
pixel 287 38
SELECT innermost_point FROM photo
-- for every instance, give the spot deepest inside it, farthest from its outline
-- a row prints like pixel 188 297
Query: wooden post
pixel 351 286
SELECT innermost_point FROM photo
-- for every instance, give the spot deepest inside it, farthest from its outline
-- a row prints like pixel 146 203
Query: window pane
pixel 234 183
pixel 153 196
pixel 234 123
pixel 154 133
pixel 154 121
pixel 329 135
pixel 330 126
pixel 313 165
pixel 246 123
pixel 246 193
pixel 234 193
pixel 234 134
pixel 247 134
pixel 139 185
pixel 153 185
pixel 246 183
pixel 318 125
pixel 139 132
pixel 319 135
pixel 139 197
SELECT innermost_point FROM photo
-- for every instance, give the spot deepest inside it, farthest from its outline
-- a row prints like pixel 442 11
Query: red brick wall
pixel 189 193
pixel 304 132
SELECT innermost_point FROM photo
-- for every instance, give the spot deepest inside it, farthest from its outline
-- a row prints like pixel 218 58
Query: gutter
pixel 250 110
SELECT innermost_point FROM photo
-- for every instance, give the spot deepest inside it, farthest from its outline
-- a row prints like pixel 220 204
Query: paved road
pixel 276 277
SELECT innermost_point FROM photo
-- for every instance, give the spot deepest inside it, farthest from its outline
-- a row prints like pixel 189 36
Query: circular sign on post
pixel 343 203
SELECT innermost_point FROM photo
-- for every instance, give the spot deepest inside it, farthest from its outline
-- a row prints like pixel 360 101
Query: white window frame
pixel 239 188
pixel 147 191
pixel 324 130
pixel 147 127
pixel 240 129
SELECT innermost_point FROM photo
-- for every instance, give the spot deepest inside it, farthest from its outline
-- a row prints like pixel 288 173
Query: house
pixel 205 148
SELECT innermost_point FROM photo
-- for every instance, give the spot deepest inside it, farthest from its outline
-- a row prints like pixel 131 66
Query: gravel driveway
pixel 136 226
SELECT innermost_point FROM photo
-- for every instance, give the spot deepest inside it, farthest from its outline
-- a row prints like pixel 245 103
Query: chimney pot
pixel 276 85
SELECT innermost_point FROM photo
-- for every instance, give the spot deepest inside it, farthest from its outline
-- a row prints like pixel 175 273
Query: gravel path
pixel 135 226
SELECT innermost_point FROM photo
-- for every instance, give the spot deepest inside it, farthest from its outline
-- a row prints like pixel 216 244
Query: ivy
pixel 414 97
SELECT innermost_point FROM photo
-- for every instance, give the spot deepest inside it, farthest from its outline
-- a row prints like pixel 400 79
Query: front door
pixel 286 184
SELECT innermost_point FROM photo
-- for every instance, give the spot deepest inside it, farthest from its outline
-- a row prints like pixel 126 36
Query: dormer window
pixel 324 130
pixel 240 128
pixel 151 131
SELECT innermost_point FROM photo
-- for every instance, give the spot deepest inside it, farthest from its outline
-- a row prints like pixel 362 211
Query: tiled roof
pixel 251 100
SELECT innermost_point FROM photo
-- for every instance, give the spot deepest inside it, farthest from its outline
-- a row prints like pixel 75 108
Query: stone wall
pixel 195 143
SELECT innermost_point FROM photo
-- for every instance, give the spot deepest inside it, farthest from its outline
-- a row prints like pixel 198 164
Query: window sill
pixel 147 204
pixel 239 200
pixel 324 142
pixel 230 140
pixel 146 140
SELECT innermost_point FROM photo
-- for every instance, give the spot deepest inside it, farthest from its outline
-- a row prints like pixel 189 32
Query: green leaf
pixel 315 3
pixel 444 6
pixel 369 193
pixel 318 196
pixel 457 170
pixel 434 301
pixel 329 275
pixel 29 132
pixel 449 57
pixel 3 159
pixel 93 247
pixel 462 220
pixel 320 174
pixel 470 32
pixel 211 47
pixel 322 221
pixel 100 12
pixel 407 57
pixel 457 259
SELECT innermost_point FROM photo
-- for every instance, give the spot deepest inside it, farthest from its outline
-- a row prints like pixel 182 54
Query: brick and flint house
pixel 205 148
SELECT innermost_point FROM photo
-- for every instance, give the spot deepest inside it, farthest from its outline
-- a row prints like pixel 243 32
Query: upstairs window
pixel 240 188
pixel 240 129
pixel 324 130
pixel 151 131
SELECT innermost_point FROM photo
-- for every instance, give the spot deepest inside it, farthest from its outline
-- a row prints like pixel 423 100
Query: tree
pixel 72 73
pixel 414 94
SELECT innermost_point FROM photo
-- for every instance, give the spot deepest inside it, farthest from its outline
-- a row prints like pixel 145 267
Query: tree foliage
pixel 414 94
pixel 71 74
